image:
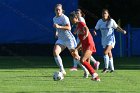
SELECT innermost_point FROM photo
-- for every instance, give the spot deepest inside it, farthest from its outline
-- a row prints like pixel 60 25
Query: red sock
pixel 89 67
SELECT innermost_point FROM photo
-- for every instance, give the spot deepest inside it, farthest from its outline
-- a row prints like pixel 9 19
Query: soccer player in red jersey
pixel 96 63
pixel 87 43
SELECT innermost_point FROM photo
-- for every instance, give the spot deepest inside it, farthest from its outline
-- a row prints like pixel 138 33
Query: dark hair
pixel 60 6
pixel 73 15
pixel 109 18
pixel 79 10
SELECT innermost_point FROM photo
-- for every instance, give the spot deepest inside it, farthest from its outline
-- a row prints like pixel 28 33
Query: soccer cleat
pixel 95 77
pixel 73 69
pixel 63 72
pixel 105 70
pixel 86 75
pixel 96 65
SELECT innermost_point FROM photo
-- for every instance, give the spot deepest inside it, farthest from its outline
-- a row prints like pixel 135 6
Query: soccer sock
pixel 75 63
pixel 111 64
pixel 89 67
pixel 58 61
pixel 92 59
pixel 83 67
pixel 106 60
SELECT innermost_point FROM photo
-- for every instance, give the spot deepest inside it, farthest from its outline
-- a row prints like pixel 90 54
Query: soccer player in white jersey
pixel 81 15
pixel 65 39
pixel 107 25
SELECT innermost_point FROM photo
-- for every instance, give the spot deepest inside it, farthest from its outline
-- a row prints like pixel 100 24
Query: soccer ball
pixel 58 76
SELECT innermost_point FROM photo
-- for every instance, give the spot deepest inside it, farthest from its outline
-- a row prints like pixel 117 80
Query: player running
pixel 81 15
pixel 65 38
pixel 87 43
pixel 107 25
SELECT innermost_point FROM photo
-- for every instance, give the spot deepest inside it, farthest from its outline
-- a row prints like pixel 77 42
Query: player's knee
pixel 110 55
pixel 55 53
pixel 82 60
pixel 105 52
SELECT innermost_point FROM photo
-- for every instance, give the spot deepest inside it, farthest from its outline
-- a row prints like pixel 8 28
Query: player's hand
pixel 56 34
pixel 56 26
pixel 94 33
pixel 124 32
pixel 75 32
pixel 75 54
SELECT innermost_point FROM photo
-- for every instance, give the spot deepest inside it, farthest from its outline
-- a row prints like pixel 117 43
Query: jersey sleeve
pixel 97 27
pixel 66 20
pixel 114 24
pixel 54 20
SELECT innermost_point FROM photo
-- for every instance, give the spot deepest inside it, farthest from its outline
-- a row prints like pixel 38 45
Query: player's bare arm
pixel 78 46
pixel 75 31
pixel 121 30
pixel 66 27
pixel 74 52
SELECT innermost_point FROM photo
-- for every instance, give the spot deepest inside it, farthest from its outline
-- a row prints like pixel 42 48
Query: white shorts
pixel 70 44
pixel 108 42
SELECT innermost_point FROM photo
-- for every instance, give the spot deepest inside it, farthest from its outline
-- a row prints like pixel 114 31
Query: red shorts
pixel 90 47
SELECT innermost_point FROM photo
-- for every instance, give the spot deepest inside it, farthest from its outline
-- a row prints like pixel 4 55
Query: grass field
pixel 34 75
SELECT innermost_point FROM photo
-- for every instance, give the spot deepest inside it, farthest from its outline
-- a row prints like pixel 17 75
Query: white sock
pixel 111 64
pixel 83 67
pixel 58 61
pixel 75 62
pixel 92 59
pixel 106 60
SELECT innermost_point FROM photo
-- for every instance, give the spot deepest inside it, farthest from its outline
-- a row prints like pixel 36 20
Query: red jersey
pixel 87 43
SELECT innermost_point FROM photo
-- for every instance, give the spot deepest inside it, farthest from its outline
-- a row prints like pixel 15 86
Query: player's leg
pixel 86 73
pixel 84 60
pixel 58 48
pixel 92 59
pixel 107 49
pixel 96 63
pixel 74 68
pixel 111 64
pixel 71 46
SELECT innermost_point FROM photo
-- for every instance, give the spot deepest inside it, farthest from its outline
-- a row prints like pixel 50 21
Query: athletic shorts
pixel 108 42
pixel 90 47
pixel 70 44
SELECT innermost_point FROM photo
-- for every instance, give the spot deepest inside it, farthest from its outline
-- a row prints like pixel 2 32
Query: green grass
pixel 34 75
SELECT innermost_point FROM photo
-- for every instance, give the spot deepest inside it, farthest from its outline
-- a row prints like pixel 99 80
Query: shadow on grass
pixel 13 62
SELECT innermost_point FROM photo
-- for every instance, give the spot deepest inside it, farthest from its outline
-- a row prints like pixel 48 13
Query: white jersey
pixel 81 19
pixel 65 37
pixel 62 21
pixel 107 31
